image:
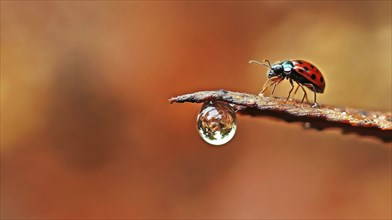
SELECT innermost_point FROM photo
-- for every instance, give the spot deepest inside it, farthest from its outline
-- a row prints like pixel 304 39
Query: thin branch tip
pixel 362 122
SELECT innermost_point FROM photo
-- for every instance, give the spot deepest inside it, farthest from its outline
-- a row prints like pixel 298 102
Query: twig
pixel 362 122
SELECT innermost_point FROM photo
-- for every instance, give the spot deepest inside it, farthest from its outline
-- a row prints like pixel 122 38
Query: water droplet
pixel 382 117
pixel 363 113
pixel 307 125
pixel 316 105
pixel 216 122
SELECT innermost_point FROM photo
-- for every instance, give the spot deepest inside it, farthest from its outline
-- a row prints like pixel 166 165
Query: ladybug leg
pixel 314 90
pixel 296 90
pixel 292 87
pixel 275 84
pixel 273 90
pixel 305 95
pixel 270 82
pixel 265 86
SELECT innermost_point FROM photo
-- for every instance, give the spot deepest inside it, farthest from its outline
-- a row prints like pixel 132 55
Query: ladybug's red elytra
pixel 302 72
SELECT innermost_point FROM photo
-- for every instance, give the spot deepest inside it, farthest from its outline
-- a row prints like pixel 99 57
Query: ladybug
pixel 304 73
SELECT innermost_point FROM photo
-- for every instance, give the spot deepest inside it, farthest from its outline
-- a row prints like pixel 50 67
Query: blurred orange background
pixel 87 131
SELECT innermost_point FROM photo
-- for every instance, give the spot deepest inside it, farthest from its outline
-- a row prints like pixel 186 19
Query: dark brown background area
pixel 87 131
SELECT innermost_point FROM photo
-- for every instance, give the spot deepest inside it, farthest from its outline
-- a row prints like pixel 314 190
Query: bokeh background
pixel 87 131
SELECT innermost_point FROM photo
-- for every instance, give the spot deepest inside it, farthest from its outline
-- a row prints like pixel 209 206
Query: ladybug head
pixel 273 71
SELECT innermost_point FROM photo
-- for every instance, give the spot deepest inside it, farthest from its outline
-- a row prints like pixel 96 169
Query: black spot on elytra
pixel 300 70
pixel 313 76
pixel 300 62
pixel 312 66
pixel 306 69
pixel 322 79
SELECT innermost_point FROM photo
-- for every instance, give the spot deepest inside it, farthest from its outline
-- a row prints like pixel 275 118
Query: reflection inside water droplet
pixel 216 122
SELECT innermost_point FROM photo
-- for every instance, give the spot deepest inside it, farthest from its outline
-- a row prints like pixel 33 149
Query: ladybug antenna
pixel 269 64
pixel 262 64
